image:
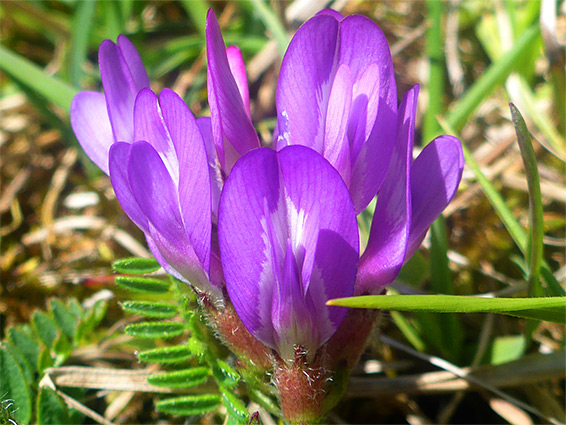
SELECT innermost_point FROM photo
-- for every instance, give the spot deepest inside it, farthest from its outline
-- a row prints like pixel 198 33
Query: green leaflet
pixel 185 378
pixel 143 284
pixel 235 407
pixel 152 330
pixel 136 266
pixel 45 328
pixel 551 309
pixel 64 318
pixel 159 310
pixel 50 408
pixel 13 385
pixel 166 355
pixel 189 405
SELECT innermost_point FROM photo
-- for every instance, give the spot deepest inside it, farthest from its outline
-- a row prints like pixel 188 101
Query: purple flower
pixel 162 182
pixel 161 163
pixel 413 195
pixel 228 97
pixel 337 95
pixel 288 242
pixel 99 120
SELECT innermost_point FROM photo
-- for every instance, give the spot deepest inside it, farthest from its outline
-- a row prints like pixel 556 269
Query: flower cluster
pixel 274 228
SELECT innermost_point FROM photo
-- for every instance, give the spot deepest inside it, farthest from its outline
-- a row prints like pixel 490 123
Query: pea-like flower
pixel 162 182
pixel 289 242
pixel 337 94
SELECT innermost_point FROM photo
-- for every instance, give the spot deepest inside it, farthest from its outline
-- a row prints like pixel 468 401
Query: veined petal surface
pixel 287 228
pixel 435 176
pixel 312 94
pixel 91 124
pixel 389 233
pixel 121 86
pixel 233 132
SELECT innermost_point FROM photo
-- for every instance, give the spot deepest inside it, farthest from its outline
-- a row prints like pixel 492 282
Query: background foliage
pixel 62 228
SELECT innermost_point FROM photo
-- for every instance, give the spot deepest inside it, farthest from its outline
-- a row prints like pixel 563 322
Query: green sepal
pixel 224 374
pixel 235 407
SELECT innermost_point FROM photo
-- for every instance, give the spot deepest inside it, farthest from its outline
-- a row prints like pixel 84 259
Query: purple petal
pixel 150 126
pixel 317 190
pixel 291 313
pixel 269 199
pixel 90 122
pixel 435 176
pixel 334 13
pixel 215 172
pixel 305 83
pixel 253 187
pixel 120 90
pixel 135 64
pixel 233 132
pixel 336 147
pixel 119 156
pixel 194 179
pixel 389 234
pixel 363 44
pixel 156 195
pixel 238 69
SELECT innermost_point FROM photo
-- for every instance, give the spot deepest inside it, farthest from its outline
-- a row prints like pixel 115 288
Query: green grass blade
pixel 496 74
pixel 551 309
pixel 536 223
pixel 81 26
pixel 197 10
pixel 445 333
pixel 26 72
pixel 503 211
pixel 272 23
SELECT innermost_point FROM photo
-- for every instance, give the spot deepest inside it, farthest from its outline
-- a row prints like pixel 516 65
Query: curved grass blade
pixel 551 309
pixel 503 211
pixel 536 223
pixel 496 74
pixel 31 75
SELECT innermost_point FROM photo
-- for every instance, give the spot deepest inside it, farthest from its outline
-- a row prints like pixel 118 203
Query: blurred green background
pixel 61 226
